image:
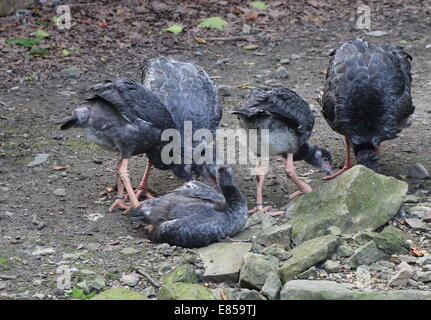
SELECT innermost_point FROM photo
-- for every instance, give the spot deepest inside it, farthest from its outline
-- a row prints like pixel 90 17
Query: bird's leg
pixel 260 181
pixel 143 188
pixel 120 201
pixel 291 173
pixel 347 163
pixel 124 176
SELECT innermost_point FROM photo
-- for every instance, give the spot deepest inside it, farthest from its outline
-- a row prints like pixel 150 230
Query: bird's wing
pixel 134 102
pixel 186 90
pixel 281 102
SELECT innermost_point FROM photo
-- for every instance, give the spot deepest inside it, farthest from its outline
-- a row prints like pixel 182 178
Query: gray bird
pixel 367 98
pixel 290 122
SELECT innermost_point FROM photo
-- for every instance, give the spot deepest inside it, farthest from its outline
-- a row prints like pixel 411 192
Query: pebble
pixel 418 171
pixel 61 192
pixel 131 279
pixel 282 73
pixel 295 57
pixel 376 33
pixel 284 61
pixel 225 90
pixel 39 159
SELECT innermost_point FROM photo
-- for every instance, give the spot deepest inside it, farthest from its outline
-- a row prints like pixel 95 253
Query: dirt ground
pixel 34 96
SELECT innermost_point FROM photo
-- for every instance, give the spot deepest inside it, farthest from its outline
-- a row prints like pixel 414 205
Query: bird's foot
pixel 120 203
pixel 297 194
pixel 332 176
pixel 263 209
pixel 146 192
pixel 130 208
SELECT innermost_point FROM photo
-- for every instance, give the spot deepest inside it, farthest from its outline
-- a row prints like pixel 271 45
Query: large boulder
pixel 306 255
pixel 185 291
pixel 358 200
pixel 255 269
pixel 330 290
pixel 223 260
pixel 366 255
pixel 391 240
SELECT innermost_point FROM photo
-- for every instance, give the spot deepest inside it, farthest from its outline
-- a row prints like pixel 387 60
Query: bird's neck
pixel 233 196
pixel 305 152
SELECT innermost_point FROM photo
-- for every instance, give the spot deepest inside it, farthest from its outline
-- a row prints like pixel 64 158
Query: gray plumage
pixel 124 116
pixel 195 215
pixel 367 92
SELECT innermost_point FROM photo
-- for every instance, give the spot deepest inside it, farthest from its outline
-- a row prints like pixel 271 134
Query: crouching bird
pixel 290 122
pixel 195 215
pixel 125 117
pixel 367 98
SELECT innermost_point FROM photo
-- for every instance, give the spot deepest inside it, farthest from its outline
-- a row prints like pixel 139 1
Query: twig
pixel 239 38
pixel 251 225
pixel 146 275
pixel 6 277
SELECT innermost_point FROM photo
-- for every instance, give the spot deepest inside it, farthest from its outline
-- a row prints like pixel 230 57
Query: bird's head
pixel 224 176
pixel 321 158
pixel 368 158
pixel 207 171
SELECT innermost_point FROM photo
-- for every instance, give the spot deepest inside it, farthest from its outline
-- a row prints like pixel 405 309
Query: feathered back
pixel 134 102
pixel 282 103
pixel 186 90
pixel 367 90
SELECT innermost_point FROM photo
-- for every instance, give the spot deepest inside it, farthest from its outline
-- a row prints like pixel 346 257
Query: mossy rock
pixel 183 273
pixel 119 294
pixel 185 291
pixel 358 200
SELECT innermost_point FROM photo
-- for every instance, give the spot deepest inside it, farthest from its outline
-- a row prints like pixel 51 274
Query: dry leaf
pixel 102 24
pixel 199 40
pixel 59 168
pixel 109 189
pixel 253 16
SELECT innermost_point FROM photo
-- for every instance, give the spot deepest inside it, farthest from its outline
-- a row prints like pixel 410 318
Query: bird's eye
pixel 325 159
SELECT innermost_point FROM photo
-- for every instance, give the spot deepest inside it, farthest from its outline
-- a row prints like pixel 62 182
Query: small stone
pixel 96 284
pixel 411 198
pixel 60 192
pixel 284 61
pixel 43 251
pixel 332 266
pixel 225 90
pixel 119 294
pixel 246 28
pixel 255 269
pixel 39 159
pixel 334 230
pixel 402 277
pixel 149 292
pixel 344 251
pixel 418 171
pixel 185 291
pixel 197 53
pixel 271 288
pixel 70 73
pixel 424 277
pixel 129 251
pixel 365 255
pixel 376 33
pixel 282 73
pixel 295 57
pixel 131 279
pixel 416 224
pixel 277 251
pixel 419 211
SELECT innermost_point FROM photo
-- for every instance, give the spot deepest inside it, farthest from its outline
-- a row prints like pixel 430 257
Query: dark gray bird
pixel 191 98
pixel 290 122
pixel 126 117
pixel 195 215
pixel 367 98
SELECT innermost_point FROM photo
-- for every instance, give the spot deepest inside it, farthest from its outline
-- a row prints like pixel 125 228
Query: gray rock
pixel 271 288
pixel 223 260
pixel 183 273
pixel 284 61
pixel 276 234
pixel 390 240
pixel 39 159
pixel 277 251
pixel 149 292
pixel 311 273
pixel 331 266
pixel 131 279
pixel 366 255
pixel 129 251
pixel 246 294
pixel 255 269
pixel 402 277
pixel 306 255
pixel 358 200
pixel 411 198
pixel 376 33
pixel 70 73
pixel 418 171
pixel 334 230
pixel 295 57
pixel 424 260
pixel 344 251
pixel 428 46
pixel 119 294
pixel 98 283
pixel 330 290
pixel 422 276
pixel 416 224
pixel 225 90
pixel 282 73
pixel 185 291
pixel 60 192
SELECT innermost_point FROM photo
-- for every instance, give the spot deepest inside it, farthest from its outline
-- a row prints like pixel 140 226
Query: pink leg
pixel 260 181
pixel 291 173
pixel 124 176
pixel 143 188
pixel 347 163
pixel 120 202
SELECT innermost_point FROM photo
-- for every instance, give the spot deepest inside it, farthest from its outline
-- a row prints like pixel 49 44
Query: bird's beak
pixel 326 167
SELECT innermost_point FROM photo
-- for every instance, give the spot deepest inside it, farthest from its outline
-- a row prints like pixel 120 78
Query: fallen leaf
pixel 109 189
pixel 199 40
pixel 59 168
pixel 253 16
pixel 102 24
pixel 258 5
pixel 175 29
pixel 251 47
pixel 213 23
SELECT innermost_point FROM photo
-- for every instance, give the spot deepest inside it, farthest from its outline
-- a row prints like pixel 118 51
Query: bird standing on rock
pixel 290 122
pixel 367 98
